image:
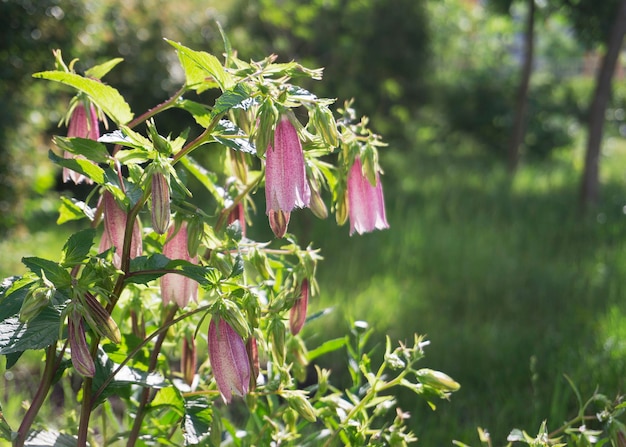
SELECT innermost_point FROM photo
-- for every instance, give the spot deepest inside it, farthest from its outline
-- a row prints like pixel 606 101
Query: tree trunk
pixel 590 185
pixel 521 102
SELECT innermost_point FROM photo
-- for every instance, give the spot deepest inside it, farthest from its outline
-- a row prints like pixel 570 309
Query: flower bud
pixel 317 204
pixel 229 359
pixel 277 334
pixel 188 359
pixel 115 228
pixel 297 314
pixel 238 214
pixel 100 320
pixel 268 115
pixel 341 209
pixel 195 233
pixel 34 302
pixel 83 124
pixel 279 220
pixel 326 125
pixel 299 402
pixel 81 358
pixel 437 379
pixel 253 355
pixel 160 203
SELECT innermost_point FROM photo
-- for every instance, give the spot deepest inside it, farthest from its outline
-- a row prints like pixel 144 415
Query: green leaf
pixel 91 149
pixel 41 438
pixel 201 68
pixel 197 421
pixel 106 97
pixel 169 397
pixel 80 165
pixel 77 247
pixel 37 333
pixel 232 98
pixel 153 267
pixel 233 137
pixel 53 271
pixel 206 178
pixel 13 358
pixel 123 379
pixel 13 290
pixel 326 347
pixel 200 112
pixel 72 209
pixel 99 71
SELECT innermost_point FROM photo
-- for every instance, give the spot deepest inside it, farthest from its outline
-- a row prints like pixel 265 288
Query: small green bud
pixel 267 119
pixel 100 320
pixel 317 205
pixel 195 233
pixel 299 402
pixel 326 125
pixel 235 318
pixel 34 302
pixel 277 334
pixel 341 209
pixel 437 380
pixel 160 202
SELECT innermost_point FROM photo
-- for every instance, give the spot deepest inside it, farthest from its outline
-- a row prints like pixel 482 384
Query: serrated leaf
pixel 152 265
pixel 105 96
pixel 12 359
pixel 326 347
pixel 47 438
pixel 53 271
pixel 91 149
pixel 80 165
pixel 197 421
pixel 72 209
pixel 12 293
pixel 99 71
pixel 77 247
pixel 169 397
pixel 200 68
pixel 231 98
pixel 233 137
pixel 37 333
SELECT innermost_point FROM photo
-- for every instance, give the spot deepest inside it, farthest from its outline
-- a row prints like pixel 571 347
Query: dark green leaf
pixel 12 358
pixel 42 438
pixel 38 333
pixel 80 165
pixel 238 266
pixel 13 290
pixel 53 271
pixel 77 247
pixel 106 97
pixel 144 269
pixel 169 397
pixel 197 421
pixel 232 98
pixel 91 149
pixel 72 209
pixel 99 71
pixel 233 137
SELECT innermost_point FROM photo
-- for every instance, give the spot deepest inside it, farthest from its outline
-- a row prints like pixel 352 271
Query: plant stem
pixel 158 108
pixel 145 395
pixel 40 396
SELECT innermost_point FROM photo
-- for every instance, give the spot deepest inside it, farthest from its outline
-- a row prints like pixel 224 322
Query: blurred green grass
pixel 511 283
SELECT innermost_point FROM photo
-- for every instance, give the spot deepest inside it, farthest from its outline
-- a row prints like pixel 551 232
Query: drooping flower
pixel 366 204
pixel 188 358
pixel 79 350
pixel 286 186
pixel 174 287
pixel 160 203
pixel 83 124
pixel 297 314
pixel 229 359
pixel 114 228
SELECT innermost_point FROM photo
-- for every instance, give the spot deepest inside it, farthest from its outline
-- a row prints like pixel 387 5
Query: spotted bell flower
pixel 83 124
pixel 286 186
pixel 366 204
pixel 229 359
pixel 175 287
pixel 114 229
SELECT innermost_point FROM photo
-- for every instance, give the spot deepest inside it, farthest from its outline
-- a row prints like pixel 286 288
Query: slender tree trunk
pixel 521 102
pixel 590 185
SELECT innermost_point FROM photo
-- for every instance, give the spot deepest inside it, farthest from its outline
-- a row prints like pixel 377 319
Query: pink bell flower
pixel 229 360
pixel 83 124
pixel 366 204
pixel 297 314
pixel 79 350
pixel 114 229
pixel 286 186
pixel 175 287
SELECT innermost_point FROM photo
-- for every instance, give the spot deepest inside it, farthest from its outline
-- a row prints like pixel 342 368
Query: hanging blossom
pixel 286 186
pixel 229 360
pixel 115 228
pixel 174 287
pixel 297 314
pixel 83 124
pixel 366 204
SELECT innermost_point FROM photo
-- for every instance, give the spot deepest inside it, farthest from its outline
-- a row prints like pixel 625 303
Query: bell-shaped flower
pixel 229 359
pixel 174 287
pixel 286 186
pixel 160 202
pixel 83 124
pixel 114 229
pixel 366 204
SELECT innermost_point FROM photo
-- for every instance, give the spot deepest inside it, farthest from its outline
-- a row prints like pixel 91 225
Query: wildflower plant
pixel 177 326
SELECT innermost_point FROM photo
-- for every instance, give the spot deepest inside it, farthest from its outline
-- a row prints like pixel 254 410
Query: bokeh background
pixel 514 273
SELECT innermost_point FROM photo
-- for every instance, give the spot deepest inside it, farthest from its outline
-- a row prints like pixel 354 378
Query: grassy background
pixel 512 285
